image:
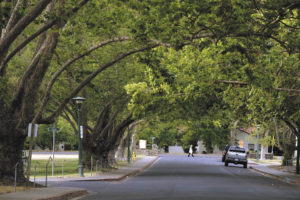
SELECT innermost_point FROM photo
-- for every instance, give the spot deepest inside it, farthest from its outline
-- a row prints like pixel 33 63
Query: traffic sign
pixel 53 129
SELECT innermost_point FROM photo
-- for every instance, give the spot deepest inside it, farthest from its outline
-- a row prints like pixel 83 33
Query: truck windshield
pixel 237 149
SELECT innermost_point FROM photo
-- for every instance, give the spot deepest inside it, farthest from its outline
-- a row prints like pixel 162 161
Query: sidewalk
pixel 59 193
pixel 272 171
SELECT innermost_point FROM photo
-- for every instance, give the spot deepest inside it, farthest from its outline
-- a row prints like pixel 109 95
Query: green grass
pixel 69 167
pixel 275 162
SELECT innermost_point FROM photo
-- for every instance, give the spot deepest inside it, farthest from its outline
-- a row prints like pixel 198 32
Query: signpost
pixel 53 129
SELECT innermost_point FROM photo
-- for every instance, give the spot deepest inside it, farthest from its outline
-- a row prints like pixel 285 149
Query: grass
pixel 66 168
pixel 61 167
pixel 274 162
pixel 70 169
pixel 8 189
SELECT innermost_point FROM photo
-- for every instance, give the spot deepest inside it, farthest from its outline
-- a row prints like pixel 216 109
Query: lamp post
pixel 79 101
pixel 257 148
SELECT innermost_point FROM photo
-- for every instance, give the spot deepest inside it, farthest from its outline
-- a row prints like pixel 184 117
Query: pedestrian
pixel 191 151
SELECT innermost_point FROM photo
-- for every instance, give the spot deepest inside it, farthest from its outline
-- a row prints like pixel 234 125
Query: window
pixel 251 147
pixel 237 149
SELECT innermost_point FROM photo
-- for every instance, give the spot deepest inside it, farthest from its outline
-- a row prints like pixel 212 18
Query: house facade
pixel 243 138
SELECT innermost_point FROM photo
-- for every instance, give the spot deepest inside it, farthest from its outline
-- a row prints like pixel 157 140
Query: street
pixel 182 177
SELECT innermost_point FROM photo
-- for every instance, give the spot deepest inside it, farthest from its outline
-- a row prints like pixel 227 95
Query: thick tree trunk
pixel 122 147
pixel 11 146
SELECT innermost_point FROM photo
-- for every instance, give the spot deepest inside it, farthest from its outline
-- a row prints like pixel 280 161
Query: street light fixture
pixel 79 101
pixel 257 148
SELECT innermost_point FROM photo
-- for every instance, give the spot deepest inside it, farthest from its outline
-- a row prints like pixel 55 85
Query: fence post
pixel 34 175
pixel 50 158
pixel 16 171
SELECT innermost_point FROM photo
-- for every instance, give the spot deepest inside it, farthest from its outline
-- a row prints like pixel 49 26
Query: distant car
pixel 225 152
pixel 236 155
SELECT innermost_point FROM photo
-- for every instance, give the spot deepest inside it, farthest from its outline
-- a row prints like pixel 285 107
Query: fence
pixel 69 167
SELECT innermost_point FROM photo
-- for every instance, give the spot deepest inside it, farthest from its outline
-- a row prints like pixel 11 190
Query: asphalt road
pixel 187 178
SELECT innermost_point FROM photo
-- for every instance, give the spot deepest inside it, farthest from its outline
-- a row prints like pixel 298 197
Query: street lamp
pixel 257 148
pixel 79 101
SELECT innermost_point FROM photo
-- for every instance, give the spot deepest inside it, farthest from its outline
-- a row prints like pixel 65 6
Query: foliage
pixel 165 133
pixel 209 133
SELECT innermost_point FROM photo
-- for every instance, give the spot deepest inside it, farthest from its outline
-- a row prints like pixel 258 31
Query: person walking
pixel 191 151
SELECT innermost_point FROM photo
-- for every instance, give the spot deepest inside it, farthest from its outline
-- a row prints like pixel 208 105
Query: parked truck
pixel 236 155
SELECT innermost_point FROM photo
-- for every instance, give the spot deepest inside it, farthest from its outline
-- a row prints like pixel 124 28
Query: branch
pixel 66 117
pixel 21 85
pixel 107 127
pixel 119 129
pixel 92 76
pixel 44 28
pixel 22 24
pixel 12 19
pixel 100 120
pixel 291 126
pixel 69 63
pixel 244 83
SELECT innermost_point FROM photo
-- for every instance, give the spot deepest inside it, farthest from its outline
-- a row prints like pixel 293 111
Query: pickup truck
pixel 236 155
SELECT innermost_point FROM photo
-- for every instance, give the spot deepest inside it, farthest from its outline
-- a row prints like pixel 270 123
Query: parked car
pixel 236 155
pixel 225 152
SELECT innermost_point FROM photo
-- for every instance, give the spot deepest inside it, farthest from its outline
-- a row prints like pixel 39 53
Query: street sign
pixel 53 129
pixel 81 131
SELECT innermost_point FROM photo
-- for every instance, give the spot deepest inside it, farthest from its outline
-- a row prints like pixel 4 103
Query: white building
pixel 243 138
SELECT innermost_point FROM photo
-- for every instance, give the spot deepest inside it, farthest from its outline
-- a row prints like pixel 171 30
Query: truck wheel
pixel 245 165
pixel 226 163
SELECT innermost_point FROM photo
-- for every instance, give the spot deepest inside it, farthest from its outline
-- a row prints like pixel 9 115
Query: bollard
pixel 16 170
pixel 34 176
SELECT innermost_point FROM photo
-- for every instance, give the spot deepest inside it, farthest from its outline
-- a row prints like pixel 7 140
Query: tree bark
pixel 277 135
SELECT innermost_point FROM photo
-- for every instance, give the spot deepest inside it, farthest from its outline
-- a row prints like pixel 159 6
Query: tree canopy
pixel 204 62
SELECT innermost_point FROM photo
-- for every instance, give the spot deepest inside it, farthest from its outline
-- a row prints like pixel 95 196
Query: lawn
pixel 66 167
pixel 62 167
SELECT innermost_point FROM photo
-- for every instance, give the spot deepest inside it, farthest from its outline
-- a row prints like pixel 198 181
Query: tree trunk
pixel 11 146
pixel 277 134
pixel 233 133
pixel 122 147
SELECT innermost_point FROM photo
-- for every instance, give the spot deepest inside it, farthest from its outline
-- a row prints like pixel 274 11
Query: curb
pixel 280 178
pixel 66 196
pixel 46 194
pixel 135 172
pixel 124 176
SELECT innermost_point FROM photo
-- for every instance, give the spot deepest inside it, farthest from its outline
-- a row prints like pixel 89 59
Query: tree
pixel 28 98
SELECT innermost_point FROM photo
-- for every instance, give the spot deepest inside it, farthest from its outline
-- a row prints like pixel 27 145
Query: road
pixel 182 177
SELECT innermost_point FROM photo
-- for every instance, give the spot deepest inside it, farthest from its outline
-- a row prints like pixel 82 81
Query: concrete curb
pixel 280 178
pixel 66 196
pixel 124 176
pixel 45 194
pixel 135 172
